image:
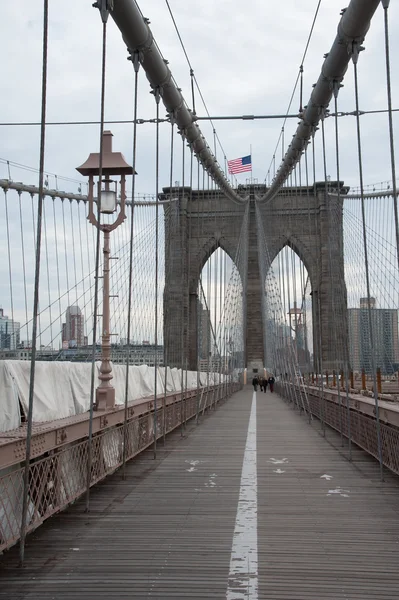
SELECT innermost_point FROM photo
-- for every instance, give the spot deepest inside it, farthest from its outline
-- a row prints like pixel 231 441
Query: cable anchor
pixel 354 50
pixel 105 7
pixel 156 92
pixel 134 57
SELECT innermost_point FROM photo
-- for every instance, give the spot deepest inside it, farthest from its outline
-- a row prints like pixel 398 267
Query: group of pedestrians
pixel 262 382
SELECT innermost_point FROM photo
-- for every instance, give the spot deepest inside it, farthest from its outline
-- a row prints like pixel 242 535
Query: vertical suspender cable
pixel 313 157
pixel 47 270
pixel 385 4
pixel 366 263
pixel 65 251
pixel 25 495
pixel 348 413
pixel 187 282
pixel 82 268
pixel 58 269
pixel 311 366
pixel 215 325
pixel 189 213
pixel 167 260
pixel 23 266
pixel 221 294
pixel 97 264
pixel 13 341
pixel 74 252
pixel 157 99
pixel 183 209
pixel 200 334
pixel 330 225
pixel 319 357
pixel 136 66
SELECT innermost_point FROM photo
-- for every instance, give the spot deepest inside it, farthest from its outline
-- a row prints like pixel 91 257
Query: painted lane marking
pixel 243 574
pixel 211 482
pixel 339 491
pixel 278 461
pixel 279 471
pixel 193 464
pixel 328 477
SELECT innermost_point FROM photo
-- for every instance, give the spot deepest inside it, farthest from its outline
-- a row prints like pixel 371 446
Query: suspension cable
pixel 300 75
pixel 366 263
pixel 136 66
pixel 157 96
pixel 385 4
pixel 337 163
pixel 104 17
pixel 24 514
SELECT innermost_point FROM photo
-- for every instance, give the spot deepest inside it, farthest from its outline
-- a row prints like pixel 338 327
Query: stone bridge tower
pixel 299 218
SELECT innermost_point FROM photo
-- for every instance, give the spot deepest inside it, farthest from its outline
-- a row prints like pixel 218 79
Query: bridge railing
pixel 58 472
pixel 354 416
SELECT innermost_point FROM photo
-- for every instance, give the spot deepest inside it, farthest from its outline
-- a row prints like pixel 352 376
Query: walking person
pixel 264 384
pixel 255 383
pixel 271 381
pixel 261 380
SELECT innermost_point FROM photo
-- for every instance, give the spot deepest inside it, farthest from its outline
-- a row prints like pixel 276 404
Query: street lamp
pixel 113 164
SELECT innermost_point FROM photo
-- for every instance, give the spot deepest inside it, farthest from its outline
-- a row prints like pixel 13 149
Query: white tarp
pixel 10 416
pixel 62 389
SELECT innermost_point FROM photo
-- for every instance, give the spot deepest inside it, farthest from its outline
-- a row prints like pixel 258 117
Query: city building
pixel 73 328
pixel 139 354
pixel 384 322
pixel 9 332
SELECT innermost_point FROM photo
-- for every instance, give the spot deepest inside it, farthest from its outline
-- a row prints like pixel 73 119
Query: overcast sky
pixel 245 56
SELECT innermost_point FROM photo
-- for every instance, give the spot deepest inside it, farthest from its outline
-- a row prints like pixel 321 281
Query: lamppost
pixel 113 163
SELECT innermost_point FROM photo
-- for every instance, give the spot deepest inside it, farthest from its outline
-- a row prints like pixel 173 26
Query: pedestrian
pixel 264 384
pixel 271 381
pixel 261 384
pixel 255 383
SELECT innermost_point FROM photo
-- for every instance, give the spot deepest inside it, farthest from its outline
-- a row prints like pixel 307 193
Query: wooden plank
pixel 166 531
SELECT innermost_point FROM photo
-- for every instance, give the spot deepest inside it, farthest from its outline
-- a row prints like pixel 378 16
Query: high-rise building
pixel 9 332
pixel 73 328
pixel 384 322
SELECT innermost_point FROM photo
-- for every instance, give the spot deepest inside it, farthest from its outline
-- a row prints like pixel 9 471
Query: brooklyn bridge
pixel 151 280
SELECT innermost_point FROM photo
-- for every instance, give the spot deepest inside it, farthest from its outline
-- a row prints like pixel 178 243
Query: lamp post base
pixel 105 398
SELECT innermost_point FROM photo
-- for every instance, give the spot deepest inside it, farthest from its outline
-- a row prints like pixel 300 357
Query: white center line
pixel 243 575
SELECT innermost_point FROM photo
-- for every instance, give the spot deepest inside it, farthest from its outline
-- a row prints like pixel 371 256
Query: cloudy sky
pixel 245 57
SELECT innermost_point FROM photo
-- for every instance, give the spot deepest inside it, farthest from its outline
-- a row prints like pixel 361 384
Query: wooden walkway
pixel 184 525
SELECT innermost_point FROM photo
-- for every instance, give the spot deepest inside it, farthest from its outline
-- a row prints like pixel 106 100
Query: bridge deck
pixel 167 531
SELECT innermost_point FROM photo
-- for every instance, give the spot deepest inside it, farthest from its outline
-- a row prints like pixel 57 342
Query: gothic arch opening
pixel 220 315
pixel 289 311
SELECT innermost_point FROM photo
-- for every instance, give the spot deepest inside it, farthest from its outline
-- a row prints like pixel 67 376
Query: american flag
pixel 240 165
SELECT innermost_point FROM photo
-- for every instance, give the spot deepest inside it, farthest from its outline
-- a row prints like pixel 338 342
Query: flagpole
pixel 252 162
